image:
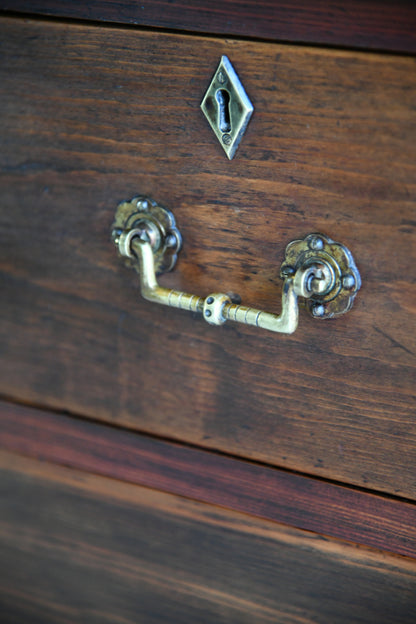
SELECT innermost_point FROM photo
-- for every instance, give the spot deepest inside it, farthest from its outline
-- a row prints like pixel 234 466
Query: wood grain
pixel 331 147
pixel 78 547
pixel 382 24
pixel 299 501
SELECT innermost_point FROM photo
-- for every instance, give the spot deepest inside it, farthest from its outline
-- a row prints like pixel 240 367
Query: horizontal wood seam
pixel 268 493
pixel 323 23
pixel 205 34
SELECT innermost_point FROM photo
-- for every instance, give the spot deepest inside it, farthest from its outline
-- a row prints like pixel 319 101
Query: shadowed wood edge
pixel 387 26
pixel 300 501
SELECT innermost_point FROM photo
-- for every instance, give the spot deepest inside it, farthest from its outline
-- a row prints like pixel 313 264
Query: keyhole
pixel 223 98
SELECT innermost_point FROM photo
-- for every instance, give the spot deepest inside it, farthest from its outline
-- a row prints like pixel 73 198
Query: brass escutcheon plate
pixel 227 107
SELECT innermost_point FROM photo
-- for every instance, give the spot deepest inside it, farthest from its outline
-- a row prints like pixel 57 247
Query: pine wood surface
pixel 382 24
pixel 91 116
pixel 78 547
pixel 293 499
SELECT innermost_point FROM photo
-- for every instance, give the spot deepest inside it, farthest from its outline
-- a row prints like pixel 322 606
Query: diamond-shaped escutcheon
pixel 227 107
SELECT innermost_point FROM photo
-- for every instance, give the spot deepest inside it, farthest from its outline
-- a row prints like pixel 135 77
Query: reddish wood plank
pixel 385 24
pixel 265 492
pixel 77 547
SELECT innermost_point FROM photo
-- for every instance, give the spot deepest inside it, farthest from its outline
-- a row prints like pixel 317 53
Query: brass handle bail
pixel 315 268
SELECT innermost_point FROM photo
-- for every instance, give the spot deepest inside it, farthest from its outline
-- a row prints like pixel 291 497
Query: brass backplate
pixel 156 222
pixel 318 249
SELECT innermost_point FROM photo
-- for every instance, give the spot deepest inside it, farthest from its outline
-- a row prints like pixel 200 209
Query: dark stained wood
pixel 379 24
pixel 78 547
pixel 91 116
pixel 272 494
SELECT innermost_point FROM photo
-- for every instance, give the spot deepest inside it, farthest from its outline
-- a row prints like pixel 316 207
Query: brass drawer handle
pixel 316 268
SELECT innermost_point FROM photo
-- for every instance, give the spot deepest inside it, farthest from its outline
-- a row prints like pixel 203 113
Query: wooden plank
pixel 78 547
pixel 383 25
pixel 331 147
pixel 306 503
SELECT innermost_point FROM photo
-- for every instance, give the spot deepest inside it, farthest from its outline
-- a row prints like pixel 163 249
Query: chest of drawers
pixel 156 468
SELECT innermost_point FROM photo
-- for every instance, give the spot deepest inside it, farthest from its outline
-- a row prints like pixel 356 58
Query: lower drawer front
pixel 77 547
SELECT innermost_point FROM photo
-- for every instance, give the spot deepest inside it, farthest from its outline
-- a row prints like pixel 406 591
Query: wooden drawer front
pixel 92 116
pixel 77 547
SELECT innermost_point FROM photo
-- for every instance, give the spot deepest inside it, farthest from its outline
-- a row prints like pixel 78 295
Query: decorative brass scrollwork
pixel 316 268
